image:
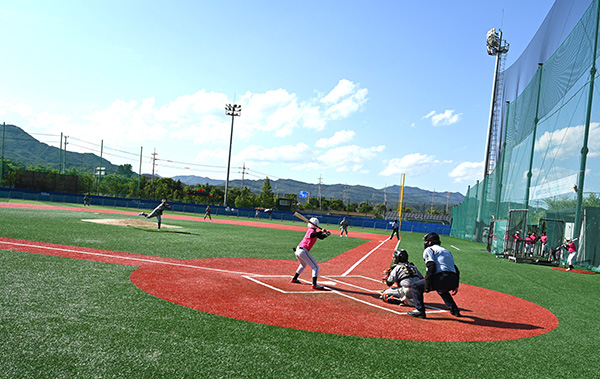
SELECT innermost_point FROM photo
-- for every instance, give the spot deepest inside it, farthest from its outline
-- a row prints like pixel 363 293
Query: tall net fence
pixel 549 162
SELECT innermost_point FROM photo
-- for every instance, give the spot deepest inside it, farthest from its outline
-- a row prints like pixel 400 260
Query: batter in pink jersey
pixel 303 252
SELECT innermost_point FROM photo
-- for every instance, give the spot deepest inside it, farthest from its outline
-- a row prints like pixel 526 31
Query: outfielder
pixel 403 274
pixel 157 212
pixel 303 252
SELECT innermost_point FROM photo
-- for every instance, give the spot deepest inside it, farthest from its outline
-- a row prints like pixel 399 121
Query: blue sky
pixel 354 92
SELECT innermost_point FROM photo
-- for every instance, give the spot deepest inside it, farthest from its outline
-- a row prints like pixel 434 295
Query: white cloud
pixel 293 154
pixel 200 118
pixel 344 88
pixel 411 164
pixel 446 118
pixel 343 136
pixel 347 106
pixel 20 109
pixel 565 143
pixel 467 172
pixel 343 158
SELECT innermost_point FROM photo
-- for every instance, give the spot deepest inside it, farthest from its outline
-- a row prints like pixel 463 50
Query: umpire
pixel 442 275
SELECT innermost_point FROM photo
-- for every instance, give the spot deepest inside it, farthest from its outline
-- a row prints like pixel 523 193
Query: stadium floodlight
pixel 498 47
pixel 232 110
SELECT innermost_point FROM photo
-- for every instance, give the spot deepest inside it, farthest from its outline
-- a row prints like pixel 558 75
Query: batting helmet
pixel 431 239
pixel 400 256
pixel 313 222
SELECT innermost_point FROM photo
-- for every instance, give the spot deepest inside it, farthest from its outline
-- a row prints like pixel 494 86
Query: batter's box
pixel 359 282
pixel 281 283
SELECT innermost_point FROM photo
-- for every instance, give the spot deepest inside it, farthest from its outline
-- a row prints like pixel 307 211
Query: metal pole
pixel 588 116
pixel 400 205
pixel 502 158
pixel 65 155
pixel 140 174
pixel 491 121
pixel 535 124
pixel 100 167
pixel 229 160
pixel 60 154
pixel 2 161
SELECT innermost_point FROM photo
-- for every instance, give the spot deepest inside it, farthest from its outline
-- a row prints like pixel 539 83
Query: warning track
pixel 259 290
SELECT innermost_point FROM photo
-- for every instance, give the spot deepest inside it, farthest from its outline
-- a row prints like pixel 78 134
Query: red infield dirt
pixel 259 290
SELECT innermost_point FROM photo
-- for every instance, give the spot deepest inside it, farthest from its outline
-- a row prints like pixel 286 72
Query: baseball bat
pixel 301 217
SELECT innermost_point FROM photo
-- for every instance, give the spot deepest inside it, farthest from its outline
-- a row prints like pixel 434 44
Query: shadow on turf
pixel 479 321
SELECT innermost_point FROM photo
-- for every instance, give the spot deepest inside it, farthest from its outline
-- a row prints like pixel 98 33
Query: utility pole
pixel 2 161
pixel 100 168
pixel 385 197
pixel 320 179
pixel 243 173
pixel 65 155
pixel 233 110
pixel 140 174
pixel 60 159
pixel 153 164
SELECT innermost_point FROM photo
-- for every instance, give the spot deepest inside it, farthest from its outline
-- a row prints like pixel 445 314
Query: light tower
pixel 496 46
pixel 232 110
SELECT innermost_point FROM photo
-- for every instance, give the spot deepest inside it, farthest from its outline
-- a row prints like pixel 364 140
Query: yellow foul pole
pixel 400 203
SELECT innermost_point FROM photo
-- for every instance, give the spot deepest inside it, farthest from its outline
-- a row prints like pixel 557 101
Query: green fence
pixel 549 162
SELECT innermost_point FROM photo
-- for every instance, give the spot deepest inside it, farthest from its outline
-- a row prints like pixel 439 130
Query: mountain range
pixel 414 197
pixel 19 146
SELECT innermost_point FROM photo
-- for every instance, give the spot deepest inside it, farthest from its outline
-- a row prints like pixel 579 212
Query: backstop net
pixel 549 153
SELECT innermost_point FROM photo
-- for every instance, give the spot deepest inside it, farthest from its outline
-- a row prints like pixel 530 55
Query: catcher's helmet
pixel 400 256
pixel 431 239
pixel 313 222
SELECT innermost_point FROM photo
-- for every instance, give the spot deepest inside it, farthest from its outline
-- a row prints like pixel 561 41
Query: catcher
pixel 402 274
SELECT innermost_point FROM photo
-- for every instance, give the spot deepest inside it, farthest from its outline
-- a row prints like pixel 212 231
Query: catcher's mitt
pixel 385 274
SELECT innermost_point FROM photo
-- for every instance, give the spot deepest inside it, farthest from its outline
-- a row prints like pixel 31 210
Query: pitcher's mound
pixel 129 222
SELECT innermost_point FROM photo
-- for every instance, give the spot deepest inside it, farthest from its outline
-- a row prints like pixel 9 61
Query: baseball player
pixel 572 249
pixel 207 213
pixel 395 229
pixel 343 227
pixel 442 275
pixel 157 212
pixel 303 252
pixel 402 274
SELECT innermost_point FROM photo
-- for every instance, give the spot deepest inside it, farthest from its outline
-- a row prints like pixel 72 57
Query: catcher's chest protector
pixel 407 270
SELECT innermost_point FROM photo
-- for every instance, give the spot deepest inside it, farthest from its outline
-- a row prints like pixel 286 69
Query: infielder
pixel 403 274
pixel 157 212
pixel 303 252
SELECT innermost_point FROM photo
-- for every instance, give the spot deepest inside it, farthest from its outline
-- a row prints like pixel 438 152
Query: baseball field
pixel 99 292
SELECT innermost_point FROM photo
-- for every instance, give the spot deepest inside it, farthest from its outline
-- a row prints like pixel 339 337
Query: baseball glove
pixel 385 274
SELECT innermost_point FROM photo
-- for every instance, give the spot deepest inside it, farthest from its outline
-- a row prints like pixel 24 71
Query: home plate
pixel 327 283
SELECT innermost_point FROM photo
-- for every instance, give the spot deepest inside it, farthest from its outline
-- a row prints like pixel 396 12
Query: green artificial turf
pixel 71 318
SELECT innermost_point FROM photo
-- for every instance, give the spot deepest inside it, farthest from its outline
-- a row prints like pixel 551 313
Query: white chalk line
pixel 243 274
pixel 363 258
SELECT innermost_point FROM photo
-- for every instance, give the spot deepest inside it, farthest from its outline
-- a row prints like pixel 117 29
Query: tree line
pixel 125 183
